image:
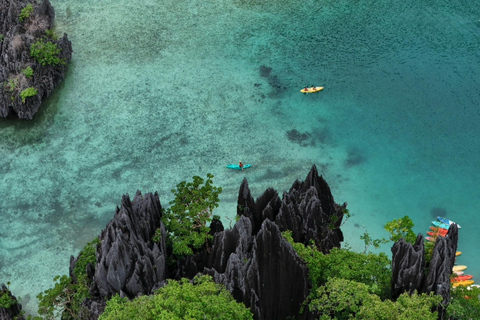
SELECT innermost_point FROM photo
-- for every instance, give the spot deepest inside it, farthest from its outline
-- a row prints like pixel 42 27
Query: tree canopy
pixel 182 299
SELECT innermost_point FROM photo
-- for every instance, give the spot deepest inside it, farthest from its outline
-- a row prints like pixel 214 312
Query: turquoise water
pixel 159 91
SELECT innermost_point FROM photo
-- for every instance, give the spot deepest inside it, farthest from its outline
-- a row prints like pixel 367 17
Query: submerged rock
pixel 16 37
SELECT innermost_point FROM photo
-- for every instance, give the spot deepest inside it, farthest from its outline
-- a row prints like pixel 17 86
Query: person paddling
pixel 240 165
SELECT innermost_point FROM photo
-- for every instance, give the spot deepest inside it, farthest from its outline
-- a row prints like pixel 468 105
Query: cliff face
pixel 128 261
pixel 13 312
pixel 409 268
pixel 16 38
pixel 253 260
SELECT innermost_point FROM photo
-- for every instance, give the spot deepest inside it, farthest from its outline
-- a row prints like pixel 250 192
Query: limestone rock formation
pixel 16 37
pixel 308 209
pixel 128 261
pixel 256 263
pixel 409 267
pixel 13 312
pixel 253 260
pixel 262 271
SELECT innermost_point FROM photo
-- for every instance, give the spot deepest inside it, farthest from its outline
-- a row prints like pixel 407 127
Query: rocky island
pixel 253 260
pixel 33 60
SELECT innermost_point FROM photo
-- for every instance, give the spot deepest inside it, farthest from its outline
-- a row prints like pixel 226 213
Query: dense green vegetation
pixel 350 285
pixel 180 300
pixel 29 92
pixel 6 300
pixel 346 299
pixel 464 303
pixel 46 52
pixel 373 270
pixel 401 228
pixel 186 220
pixel 26 12
pixel 67 295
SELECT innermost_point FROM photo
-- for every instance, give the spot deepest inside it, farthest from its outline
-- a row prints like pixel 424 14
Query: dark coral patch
pixel 303 139
pixel 354 158
pixel 265 71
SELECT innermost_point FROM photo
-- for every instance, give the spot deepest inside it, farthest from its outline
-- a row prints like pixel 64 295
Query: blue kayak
pixel 441 225
pixel 446 221
pixel 237 167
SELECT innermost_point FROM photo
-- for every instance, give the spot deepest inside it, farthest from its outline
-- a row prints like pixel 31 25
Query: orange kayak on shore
pixel 439 230
pixel 463 283
pixel 461 278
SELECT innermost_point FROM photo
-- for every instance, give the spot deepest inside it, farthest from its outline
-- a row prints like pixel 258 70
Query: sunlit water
pixel 159 91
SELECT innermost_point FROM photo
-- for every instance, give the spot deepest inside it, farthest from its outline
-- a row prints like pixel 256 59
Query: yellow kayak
pixel 311 89
pixel 458 253
pixel 462 283
pixel 459 268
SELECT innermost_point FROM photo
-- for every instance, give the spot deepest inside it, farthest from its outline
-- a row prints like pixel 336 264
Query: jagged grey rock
pixel 308 209
pixel 128 261
pixel 253 259
pixel 262 271
pixel 16 37
pixel 409 268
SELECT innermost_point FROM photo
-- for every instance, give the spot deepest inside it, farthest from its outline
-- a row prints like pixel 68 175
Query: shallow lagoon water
pixel 159 91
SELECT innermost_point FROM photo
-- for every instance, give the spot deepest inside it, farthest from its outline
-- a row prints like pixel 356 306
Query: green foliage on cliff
pixel 401 228
pixel 186 220
pixel 180 300
pixel 51 34
pixel 46 52
pixel 371 269
pixel 350 285
pixel 464 303
pixel 6 301
pixel 26 12
pixel 29 92
pixel 66 296
pixel 346 299
pixel 28 72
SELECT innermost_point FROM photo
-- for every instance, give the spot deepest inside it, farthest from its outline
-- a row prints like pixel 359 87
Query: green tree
pixel 67 296
pixel 345 299
pixel 186 220
pixel 401 228
pixel 464 303
pixel 373 270
pixel 340 299
pixel 46 52
pixel 407 307
pixel 178 300
pixel 6 301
